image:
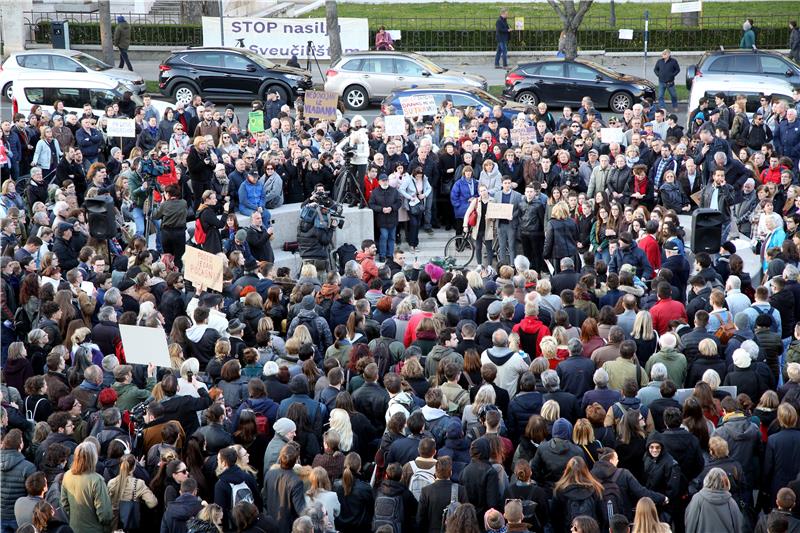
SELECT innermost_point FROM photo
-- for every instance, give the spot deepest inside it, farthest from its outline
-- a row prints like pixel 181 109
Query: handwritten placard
pixel 255 121
pixel 203 269
pixel 394 124
pixel 121 127
pixel 451 126
pixel 521 136
pixel 320 104
pixel 418 105
pixel 612 135
pixel 497 210
pixel 144 345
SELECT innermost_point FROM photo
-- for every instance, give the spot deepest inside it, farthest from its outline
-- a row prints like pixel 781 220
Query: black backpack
pixel 773 325
pixel 345 253
pixel 579 507
pixel 311 324
pixel 525 493
pixel 388 511
pixel 612 495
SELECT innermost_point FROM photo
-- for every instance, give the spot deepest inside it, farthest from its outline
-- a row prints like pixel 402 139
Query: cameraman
pixel 315 230
pixel 140 177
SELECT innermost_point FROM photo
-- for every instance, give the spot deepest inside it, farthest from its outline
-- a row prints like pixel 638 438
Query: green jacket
pixel 85 501
pixel 438 353
pixel 138 195
pixel 792 356
pixel 748 40
pixel 129 394
pixel 122 35
pixel 673 360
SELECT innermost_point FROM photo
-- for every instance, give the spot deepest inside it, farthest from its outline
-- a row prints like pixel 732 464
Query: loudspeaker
pixel 100 214
pixel 707 230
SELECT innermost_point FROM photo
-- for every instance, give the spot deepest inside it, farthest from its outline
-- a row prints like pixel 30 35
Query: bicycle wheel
pixel 461 249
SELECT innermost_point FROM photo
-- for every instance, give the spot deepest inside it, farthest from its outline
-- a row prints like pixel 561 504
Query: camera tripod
pixel 347 188
pixel 309 54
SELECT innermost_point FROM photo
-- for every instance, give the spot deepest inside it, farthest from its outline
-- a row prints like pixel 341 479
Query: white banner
pixel 686 7
pixel 418 105
pixel 145 345
pixel 121 127
pixel 394 124
pixel 281 38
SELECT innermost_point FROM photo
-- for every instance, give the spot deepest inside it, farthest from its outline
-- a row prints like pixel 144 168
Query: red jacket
pixel 369 186
pixel 531 330
pixel 411 328
pixel 664 311
pixel 771 175
pixel 368 266
pixel 652 250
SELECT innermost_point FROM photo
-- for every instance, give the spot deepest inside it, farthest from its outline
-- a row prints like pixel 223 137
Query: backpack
pixel 620 409
pixel 576 508
pixel 262 422
pixel 726 330
pixel 388 512
pixel 22 322
pixel 420 478
pixel 452 407
pixel 240 492
pixel 612 495
pixel 529 506
pixel 774 325
pixel 30 416
pixel 199 232
pixel 452 507
pixel 311 324
pixel 438 429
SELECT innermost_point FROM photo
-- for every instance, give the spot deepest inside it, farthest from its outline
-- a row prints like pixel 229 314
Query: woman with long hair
pixel 576 486
pixel 356 499
pixel 590 337
pixel 84 495
pixel 363 429
pixel 646 518
pixel 127 488
pixel 693 418
pixel 644 336
pixel 178 334
pixel 319 491
pixel 463 520
pixel 340 422
pixel 208 520
pixel 305 437
pixel 45 520
pixel 631 442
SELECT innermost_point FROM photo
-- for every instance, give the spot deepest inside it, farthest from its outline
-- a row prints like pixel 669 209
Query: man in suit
pixel 719 195
pixel 507 229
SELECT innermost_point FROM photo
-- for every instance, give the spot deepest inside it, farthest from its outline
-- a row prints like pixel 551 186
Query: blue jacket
pixel 251 197
pixel 632 256
pixel 317 412
pixel 42 154
pixel 460 195
pixel 787 139
pixel 89 143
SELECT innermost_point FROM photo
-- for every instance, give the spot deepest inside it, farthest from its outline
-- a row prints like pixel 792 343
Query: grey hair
pixel 567 263
pixel 721 156
pixel 751 347
pixel 717 479
pixel 113 297
pixel 351 268
pixel 659 372
pixel 550 380
pixel 110 362
pixel 35 335
pixel 521 263
pixel 741 320
pixel 736 283
pixel 711 377
pixel 680 146
pixel 790 273
pixel 106 313
pixel 600 377
pixel 575 346
pixel 500 338
pixel 668 340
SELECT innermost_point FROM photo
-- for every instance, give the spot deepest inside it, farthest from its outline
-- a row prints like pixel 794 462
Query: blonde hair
pixel 549 346
pixel 85 459
pixel 302 334
pixel 190 365
pixel 176 357
pixel 308 271
pixel 560 211
pixel 474 279
pixel 485 396
pixel 583 433
pixel 211 513
pixel 551 411
pixel 643 326
pixel 646 520
pixel 340 422
pixel 318 481
pixel 707 347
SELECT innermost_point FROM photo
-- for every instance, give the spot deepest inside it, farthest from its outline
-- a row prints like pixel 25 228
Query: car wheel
pixel 527 98
pixel 8 90
pixel 183 93
pixel 620 101
pixel 355 97
pixel 283 94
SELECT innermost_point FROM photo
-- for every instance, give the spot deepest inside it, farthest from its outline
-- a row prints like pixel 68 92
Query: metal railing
pixel 469 34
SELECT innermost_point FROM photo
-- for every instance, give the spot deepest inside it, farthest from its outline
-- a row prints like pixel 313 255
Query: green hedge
pixel 459 40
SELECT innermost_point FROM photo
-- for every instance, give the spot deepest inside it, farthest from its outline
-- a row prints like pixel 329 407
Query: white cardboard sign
pixel 121 127
pixel 145 345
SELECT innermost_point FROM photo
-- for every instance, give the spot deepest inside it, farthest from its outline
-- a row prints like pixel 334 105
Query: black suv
pixel 751 62
pixel 229 74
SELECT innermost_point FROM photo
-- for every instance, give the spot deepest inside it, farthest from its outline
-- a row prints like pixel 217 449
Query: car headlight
pixel 294 77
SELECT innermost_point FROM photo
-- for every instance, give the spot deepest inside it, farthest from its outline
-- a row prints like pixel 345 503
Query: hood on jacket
pixel 431 413
pixel 392 488
pixel 9 459
pixel 480 448
pixel 15 366
pixel 499 355
pixel 196 332
pixel 558 446
pixel 603 470
pixel 361 256
pixel 439 352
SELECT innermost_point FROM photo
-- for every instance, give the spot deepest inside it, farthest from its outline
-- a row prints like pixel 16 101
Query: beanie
pixel 562 429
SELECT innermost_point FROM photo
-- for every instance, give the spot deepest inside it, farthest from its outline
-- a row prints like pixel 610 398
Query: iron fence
pixel 468 34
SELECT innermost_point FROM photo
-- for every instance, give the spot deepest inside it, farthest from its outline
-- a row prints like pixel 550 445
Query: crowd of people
pixel 587 378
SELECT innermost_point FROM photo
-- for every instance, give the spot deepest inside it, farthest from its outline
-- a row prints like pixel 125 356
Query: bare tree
pixel 106 37
pixel 571 18
pixel 332 22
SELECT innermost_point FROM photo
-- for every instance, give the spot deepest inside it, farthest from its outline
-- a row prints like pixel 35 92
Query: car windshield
pixel 92 63
pixel 488 98
pixel 255 58
pixel 428 64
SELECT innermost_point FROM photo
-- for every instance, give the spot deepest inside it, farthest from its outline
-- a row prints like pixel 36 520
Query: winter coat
pixel 381 198
pixel 489 227
pixel 89 142
pixel 781 460
pixel 184 409
pixel 673 360
pixel 550 460
pixel 561 239
pixel 531 217
pixel 181 510
pixel 202 339
pixel 122 35
pixel 222 490
pixel 560 506
pixel 510 366
pixel 211 224
pixel 43 154
pixel 480 480
pixel 433 499
pixel 666 71
pixel 662 474
pixel 522 406
pixel 84 498
pixel 357 507
pixel 492 179
pixel 251 197
pixel 630 488
pixel 618 180
pixel 713 510
pixel 461 194
pixel 14 469
pixel 673 197
pixel 684 448
pixel 747 381
pixel 633 255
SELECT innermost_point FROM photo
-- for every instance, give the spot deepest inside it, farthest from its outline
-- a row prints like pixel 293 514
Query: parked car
pixel 364 77
pixel 733 85
pixel 563 82
pixel 42 89
pixel 460 96
pixel 747 62
pixel 228 74
pixel 64 65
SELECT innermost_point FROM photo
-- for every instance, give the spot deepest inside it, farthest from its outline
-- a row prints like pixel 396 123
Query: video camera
pixel 322 211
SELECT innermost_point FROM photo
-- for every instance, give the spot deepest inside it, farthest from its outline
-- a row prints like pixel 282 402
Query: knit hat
pixel 107 397
pixel 434 271
pixel 283 426
pixel 235 326
pixel 489 287
pixel 741 358
pixel 388 329
pixel 271 368
pixel 308 303
pixel 729 247
pixel 241 235
pixel 562 429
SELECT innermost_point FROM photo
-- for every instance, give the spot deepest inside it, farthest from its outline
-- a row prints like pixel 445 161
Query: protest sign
pixel 419 105
pixel 497 210
pixel 145 345
pixel 520 136
pixel 451 127
pixel 281 38
pixel 394 124
pixel 203 269
pixel 320 104
pixel 611 135
pixel 519 23
pixel 121 127
pixel 626 34
pixel 51 281
pixel 255 121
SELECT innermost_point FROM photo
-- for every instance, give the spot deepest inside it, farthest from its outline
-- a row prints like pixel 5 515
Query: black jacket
pixel 550 460
pixel 66 253
pixel 372 400
pixel 570 407
pixel 531 217
pixel 631 489
pixel 684 448
pixel 480 480
pixel 561 239
pixel 184 409
pixel 522 406
pixel 260 247
pixel 211 224
pixel 698 367
pixel 172 306
pixel 433 500
pixel 200 172
pixel 576 373
pixel 560 505
pixel 356 508
pixel 283 496
pixel 662 474
pixel 747 381
pixel 781 460
pixel 380 198
pixel 666 71
pixel 566 279
pixel 106 335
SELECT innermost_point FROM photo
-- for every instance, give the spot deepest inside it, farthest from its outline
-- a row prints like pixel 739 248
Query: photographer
pixel 200 164
pixel 140 177
pixel 315 230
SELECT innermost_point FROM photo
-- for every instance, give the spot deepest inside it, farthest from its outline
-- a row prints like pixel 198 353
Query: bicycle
pixel 460 249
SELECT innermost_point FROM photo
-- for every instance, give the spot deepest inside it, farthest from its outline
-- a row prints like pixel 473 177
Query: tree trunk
pixel 106 37
pixel 192 12
pixel 332 22
pixel 571 18
pixel 568 43
pixel 612 14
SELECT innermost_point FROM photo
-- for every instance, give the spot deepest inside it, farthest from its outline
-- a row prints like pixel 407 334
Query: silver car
pixel 65 64
pixel 364 77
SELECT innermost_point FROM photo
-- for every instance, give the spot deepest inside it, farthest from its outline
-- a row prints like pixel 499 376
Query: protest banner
pixel 394 124
pixel 145 345
pixel 121 127
pixel 320 104
pixel 418 105
pixel 451 127
pixel 203 269
pixel 612 135
pixel 497 210
pixel 520 136
pixel 281 38
pixel 255 121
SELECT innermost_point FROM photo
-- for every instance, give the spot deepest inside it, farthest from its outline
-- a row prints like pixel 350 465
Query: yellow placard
pixel 203 269
pixel 451 126
pixel 519 23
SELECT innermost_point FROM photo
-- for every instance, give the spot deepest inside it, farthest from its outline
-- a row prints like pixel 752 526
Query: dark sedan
pixel 562 82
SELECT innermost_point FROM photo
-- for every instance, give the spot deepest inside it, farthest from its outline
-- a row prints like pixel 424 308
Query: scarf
pixel 640 186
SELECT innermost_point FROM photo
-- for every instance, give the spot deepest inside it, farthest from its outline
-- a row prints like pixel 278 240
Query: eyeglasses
pixel 578 145
pixel 184 471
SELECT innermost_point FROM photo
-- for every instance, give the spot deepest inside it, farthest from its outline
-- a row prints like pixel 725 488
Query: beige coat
pixel 488 234
pixel 135 490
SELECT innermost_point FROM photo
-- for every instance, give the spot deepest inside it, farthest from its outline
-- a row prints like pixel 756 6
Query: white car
pixel 733 85
pixel 65 65
pixel 41 89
